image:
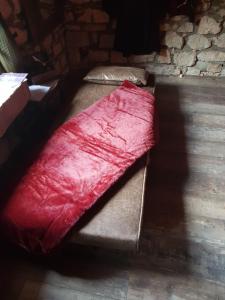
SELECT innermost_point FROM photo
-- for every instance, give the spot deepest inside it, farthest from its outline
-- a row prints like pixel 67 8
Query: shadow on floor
pixel 164 230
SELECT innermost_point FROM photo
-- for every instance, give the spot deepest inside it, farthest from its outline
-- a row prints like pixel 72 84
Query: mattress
pixel 115 221
pixel 78 164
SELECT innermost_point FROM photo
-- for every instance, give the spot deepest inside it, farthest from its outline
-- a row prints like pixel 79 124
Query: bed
pixel 113 222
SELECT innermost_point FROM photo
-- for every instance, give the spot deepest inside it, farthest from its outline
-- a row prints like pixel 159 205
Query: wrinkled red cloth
pixel 81 160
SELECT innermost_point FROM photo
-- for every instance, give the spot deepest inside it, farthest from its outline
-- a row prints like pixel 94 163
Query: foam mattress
pixel 80 162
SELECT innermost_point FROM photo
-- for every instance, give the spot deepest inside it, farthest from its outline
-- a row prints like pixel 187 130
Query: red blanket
pixel 82 159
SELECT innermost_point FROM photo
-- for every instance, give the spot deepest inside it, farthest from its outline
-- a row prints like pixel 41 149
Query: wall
pixel 189 48
pixel 53 44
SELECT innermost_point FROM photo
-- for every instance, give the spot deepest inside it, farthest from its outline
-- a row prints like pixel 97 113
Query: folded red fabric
pixel 81 160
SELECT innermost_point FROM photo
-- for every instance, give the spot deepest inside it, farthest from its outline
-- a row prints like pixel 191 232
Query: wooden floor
pixel 182 255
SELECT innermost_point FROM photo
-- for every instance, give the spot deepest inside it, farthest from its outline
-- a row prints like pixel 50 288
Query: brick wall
pixel 53 44
pixel 189 48
pixel 33 116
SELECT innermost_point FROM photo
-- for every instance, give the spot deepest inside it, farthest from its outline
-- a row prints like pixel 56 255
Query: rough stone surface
pixel 78 38
pixel 220 41
pixel 100 16
pixel 214 68
pixel 222 73
pixel 203 5
pixel 69 17
pixel 186 59
pixel 198 42
pixel 48 42
pixel 174 26
pixel 193 71
pixel 141 58
pixel 212 56
pixel 186 27
pixel 173 40
pixel 86 17
pixel 209 25
pixel 221 12
pixel 57 49
pixel 201 65
pixel 5 9
pixel 74 57
pixel 106 41
pixel 98 56
pixel 16 6
pixel 165 27
pixel 164 57
pixel 94 27
pixel 21 36
pixel 117 58
pixel 161 69
pixel 179 18
pixel 210 74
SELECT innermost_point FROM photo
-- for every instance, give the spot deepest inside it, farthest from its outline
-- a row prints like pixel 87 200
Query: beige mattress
pixel 115 220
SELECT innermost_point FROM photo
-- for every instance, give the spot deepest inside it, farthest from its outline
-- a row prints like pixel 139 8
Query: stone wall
pixel 53 45
pixel 189 48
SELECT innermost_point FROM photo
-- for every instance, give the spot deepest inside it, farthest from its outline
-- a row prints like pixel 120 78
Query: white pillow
pixel 115 75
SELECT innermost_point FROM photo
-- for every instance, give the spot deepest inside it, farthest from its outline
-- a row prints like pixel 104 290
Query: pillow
pixel 115 75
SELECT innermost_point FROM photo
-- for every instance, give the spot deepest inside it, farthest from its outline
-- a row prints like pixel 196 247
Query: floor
pixel 182 255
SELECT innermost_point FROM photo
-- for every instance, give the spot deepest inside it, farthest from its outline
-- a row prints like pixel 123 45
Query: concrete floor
pixel 182 253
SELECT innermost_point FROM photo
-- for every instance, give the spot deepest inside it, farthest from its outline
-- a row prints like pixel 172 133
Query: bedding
pixel 82 159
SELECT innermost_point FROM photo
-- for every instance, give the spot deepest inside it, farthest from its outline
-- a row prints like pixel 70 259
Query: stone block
pixel 221 12
pixel 47 43
pixel 94 27
pixel 185 59
pixel 193 71
pixel 86 17
pixel 21 36
pixel 179 18
pixel 106 41
pixel 74 57
pixel 203 5
pixel 69 17
pixel 209 25
pixel 186 27
pixel 117 58
pixel 173 40
pixel 211 56
pixel 198 42
pixel 136 59
pixel 98 56
pixel 164 57
pixel 94 39
pixel 161 69
pixel 99 16
pixel 214 68
pixel 16 6
pixel 77 39
pixel 202 66
pixel 6 9
pixel 165 27
pixel 219 41
pixel 210 74
pixel 57 48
